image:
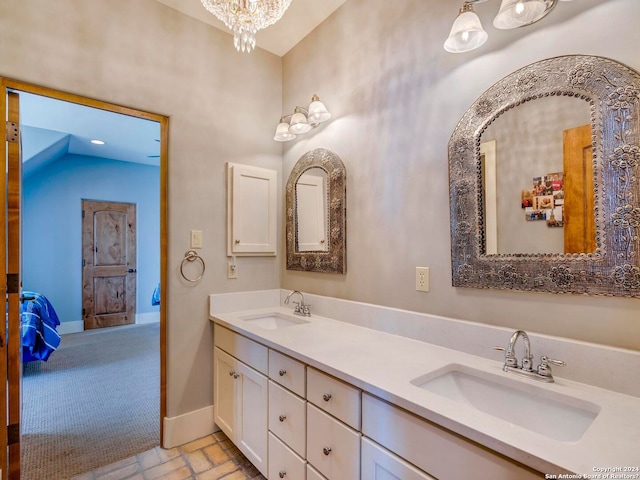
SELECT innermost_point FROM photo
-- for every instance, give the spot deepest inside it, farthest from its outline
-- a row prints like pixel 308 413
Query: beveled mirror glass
pixel 492 180
pixel 316 213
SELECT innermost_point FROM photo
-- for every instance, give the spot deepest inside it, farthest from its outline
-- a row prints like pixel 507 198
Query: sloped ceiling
pixel 53 128
pixel 299 20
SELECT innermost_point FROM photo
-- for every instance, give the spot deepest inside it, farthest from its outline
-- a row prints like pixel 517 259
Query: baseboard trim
pixel 188 427
pixel 70 327
pixel 149 317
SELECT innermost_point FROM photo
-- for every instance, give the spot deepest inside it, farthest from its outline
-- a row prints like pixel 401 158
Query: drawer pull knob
pixel 235 375
pixel 326 450
pixel 326 397
pixel 282 474
pixel 282 418
pixel 282 372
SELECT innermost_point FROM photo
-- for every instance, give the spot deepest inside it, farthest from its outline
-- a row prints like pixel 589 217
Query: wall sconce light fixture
pixel 467 33
pixel 301 120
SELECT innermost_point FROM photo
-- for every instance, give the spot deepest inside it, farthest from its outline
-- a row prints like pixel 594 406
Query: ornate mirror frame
pixel 334 260
pixel 613 92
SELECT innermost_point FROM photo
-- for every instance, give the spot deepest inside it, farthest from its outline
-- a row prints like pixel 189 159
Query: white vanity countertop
pixel 384 365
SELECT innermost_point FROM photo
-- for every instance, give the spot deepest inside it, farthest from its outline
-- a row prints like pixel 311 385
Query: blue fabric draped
pixel 155 298
pixel 38 330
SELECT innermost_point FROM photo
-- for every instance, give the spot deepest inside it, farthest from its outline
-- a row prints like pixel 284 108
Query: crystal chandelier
pixel 246 17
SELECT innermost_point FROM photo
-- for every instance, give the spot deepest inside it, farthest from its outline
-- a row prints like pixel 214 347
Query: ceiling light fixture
pixel 98 142
pixel 301 120
pixel 467 33
pixel 246 17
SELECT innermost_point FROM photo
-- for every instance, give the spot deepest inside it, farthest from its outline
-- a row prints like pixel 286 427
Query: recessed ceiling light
pixel 97 142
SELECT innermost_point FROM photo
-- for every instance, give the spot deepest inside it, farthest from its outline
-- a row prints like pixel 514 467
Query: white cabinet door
pixel 251 210
pixel 240 406
pixel 251 416
pixel 380 464
pixel 224 394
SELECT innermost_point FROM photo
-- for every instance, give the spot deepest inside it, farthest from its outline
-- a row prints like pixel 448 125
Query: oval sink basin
pixel 540 410
pixel 273 321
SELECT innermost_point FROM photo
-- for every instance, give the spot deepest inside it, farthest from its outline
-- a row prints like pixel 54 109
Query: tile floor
pixel 210 458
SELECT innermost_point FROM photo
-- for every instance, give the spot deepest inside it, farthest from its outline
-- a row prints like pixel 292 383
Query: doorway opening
pixel 58 165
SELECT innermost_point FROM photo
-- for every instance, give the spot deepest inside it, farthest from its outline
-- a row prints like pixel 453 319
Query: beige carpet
pixel 96 401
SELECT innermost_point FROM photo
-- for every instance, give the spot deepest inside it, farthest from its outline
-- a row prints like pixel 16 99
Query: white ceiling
pixel 297 22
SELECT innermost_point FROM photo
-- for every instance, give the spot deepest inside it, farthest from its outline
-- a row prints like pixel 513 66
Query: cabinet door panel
pixel 380 464
pixel 431 447
pixel 224 411
pixel 251 417
pixel 252 210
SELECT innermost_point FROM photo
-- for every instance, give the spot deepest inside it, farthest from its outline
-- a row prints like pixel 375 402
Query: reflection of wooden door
pixel 108 263
pixel 11 436
pixel 579 213
pixel 311 217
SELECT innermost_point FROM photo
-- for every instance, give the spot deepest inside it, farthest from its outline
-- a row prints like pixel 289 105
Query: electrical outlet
pixel 196 238
pixel 422 279
pixel 232 269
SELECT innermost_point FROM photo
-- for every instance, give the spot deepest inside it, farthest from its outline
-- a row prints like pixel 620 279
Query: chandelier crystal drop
pixel 246 17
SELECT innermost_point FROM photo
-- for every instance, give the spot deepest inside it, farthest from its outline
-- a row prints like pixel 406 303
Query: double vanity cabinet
pixel 295 422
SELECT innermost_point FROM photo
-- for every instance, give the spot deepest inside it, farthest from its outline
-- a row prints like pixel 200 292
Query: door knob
pixel 132 270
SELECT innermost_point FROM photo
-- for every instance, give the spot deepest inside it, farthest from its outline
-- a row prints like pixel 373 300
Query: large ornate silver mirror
pixel 550 203
pixel 316 213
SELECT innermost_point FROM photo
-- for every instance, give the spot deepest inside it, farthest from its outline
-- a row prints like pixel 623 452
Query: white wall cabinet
pixel 251 210
pixel 240 406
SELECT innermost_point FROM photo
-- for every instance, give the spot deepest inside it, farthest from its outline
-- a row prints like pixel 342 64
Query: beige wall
pixel 396 97
pixel 222 107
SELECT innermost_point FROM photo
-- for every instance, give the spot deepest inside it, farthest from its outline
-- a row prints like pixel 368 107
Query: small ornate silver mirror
pixel 316 213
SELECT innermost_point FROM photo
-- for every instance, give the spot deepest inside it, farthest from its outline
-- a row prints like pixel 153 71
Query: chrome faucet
pixel 541 373
pixel 301 308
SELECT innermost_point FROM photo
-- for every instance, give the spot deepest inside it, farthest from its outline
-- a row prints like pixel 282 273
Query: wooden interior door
pixel 579 213
pixel 13 286
pixel 108 263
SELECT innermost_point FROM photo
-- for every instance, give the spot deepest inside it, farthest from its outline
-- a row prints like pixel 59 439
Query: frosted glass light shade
pixel 282 133
pixel 317 111
pixel 466 33
pixel 518 13
pixel 299 123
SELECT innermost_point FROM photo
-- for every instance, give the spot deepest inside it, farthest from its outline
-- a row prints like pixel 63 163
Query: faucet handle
pixel 509 358
pixel 544 368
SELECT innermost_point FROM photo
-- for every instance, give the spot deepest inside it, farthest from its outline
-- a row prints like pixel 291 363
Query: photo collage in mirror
pixel 545 200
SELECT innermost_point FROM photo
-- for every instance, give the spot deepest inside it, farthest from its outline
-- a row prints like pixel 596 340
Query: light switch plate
pixel 422 279
pixel 196 238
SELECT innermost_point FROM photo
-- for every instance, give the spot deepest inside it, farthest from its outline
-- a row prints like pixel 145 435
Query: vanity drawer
pixel 332 447
pixel 379 463
pixel 248 351
pixel 287 372
pixel 432 448
pixel 334 396
pixel 287 417
pixel 283 462
pixel 313 474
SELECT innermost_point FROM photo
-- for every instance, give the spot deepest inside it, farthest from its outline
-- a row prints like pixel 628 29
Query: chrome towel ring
pixel 191 256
